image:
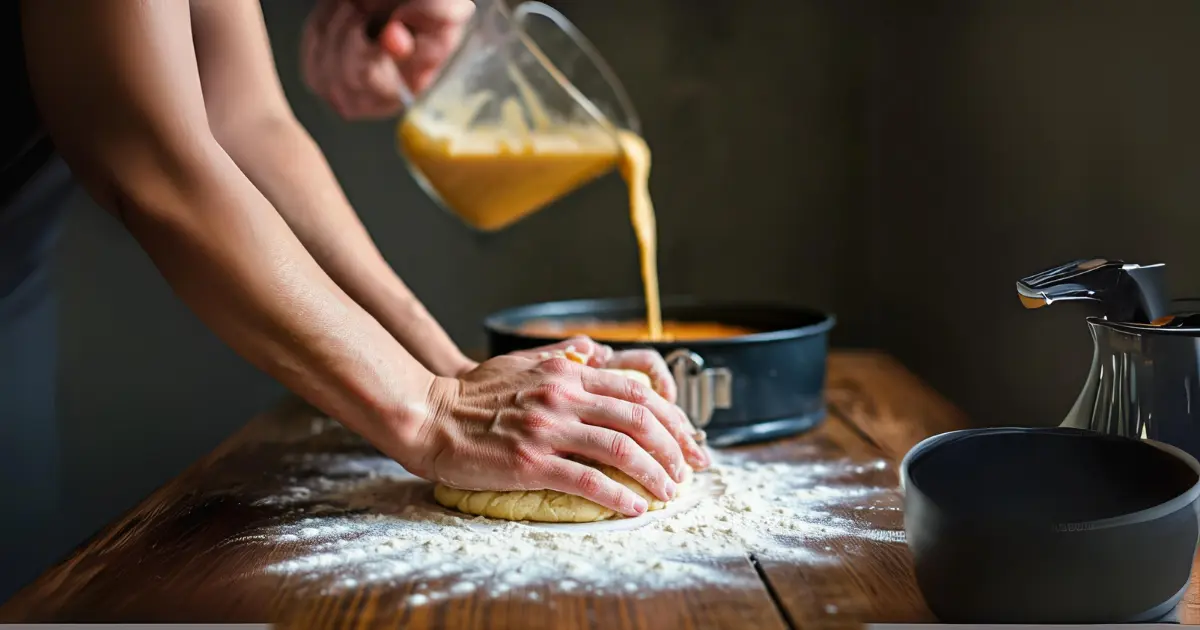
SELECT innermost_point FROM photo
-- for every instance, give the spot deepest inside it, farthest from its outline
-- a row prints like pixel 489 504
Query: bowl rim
pixel 1182 500
pixel 500 321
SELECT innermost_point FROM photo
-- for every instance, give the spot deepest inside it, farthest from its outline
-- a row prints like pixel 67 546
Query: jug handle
pixel 374 28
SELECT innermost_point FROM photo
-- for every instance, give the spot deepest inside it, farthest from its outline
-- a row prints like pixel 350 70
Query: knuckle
pixel 596 441
pixel 621 497
pixel 622 449
pixel 590 482
pixel 527 459
pixel 635 392
pixel 553 395
pixel 559 366
pixel 536 422
pixel 581 342
pixel 640 419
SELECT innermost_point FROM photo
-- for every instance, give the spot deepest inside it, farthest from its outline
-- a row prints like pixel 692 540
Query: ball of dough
pixel 544 506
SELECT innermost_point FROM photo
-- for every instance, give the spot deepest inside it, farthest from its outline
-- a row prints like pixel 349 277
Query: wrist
pixel 416 427
pixel 462 366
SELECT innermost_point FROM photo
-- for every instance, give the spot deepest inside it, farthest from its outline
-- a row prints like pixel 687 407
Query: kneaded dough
pixel 543 506
pixel 548 506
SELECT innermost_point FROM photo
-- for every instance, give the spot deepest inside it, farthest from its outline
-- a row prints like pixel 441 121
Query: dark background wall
pixel 1012 136
pixel 900 163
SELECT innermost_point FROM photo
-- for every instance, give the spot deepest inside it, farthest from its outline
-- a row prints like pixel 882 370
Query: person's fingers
pixel 360 62
pixel 360 77
pixel 696 453
pixel 622 452
pixel 636 420
pixel 436 27
pixel 373 77
pixel 397 41
pixel 434 15
pixel 574 478
pixel 382 86
pixel 579 344
pixel 429 53
pixel 367 78
pixel 650 363
pixel 314 42
pixel 601 355
pixel 311 46
pixel 318 49
pixel 670 417
pixel 352 57
pixel 330 63
pixel 344 65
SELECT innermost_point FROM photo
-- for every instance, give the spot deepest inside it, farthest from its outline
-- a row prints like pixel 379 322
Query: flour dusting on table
pixel 359 518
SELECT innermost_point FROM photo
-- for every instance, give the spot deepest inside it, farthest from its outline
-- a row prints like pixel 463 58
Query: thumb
pixel 396 40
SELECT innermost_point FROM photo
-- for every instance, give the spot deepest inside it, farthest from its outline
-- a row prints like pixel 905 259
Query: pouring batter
pixel 171 116
pixel 492 176
pixel 635 168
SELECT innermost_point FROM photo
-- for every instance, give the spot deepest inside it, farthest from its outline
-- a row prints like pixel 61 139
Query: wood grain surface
pixel 176 557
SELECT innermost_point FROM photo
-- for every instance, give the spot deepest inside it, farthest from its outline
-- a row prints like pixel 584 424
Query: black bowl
pixel 1050 525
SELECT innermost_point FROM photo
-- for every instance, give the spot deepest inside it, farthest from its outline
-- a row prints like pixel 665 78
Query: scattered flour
pixel 352 518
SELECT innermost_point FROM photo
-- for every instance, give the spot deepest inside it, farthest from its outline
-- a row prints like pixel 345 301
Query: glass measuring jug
pixel 524 112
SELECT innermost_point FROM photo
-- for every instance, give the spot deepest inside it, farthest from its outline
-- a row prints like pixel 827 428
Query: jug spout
pixel 1128 292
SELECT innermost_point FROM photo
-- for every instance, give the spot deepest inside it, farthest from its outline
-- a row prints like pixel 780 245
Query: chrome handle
pixel 701 390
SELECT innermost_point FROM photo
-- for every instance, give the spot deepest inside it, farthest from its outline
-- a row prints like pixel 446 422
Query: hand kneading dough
pixel 547 506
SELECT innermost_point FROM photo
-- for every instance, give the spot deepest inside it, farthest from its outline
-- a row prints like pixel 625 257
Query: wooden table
pixel 171 559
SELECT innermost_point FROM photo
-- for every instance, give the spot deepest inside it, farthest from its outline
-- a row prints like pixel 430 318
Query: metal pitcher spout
pixel 1127 292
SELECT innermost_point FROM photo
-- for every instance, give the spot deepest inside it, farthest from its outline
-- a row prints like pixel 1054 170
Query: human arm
pixel 250 117
pixel 118 88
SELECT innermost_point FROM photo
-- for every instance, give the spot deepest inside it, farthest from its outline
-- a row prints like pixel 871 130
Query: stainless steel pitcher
pixel 1144 380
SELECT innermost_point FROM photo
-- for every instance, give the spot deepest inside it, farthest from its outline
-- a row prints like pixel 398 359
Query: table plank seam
pixel 772 593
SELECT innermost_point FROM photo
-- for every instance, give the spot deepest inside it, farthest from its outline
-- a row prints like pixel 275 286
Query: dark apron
pixel 30 476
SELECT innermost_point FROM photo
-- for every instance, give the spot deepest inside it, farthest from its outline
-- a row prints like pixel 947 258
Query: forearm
pixel 284 162
pixel 118 88
pixel 231 258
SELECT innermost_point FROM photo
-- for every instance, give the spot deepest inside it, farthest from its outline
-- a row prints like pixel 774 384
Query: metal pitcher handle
pixel 701 390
